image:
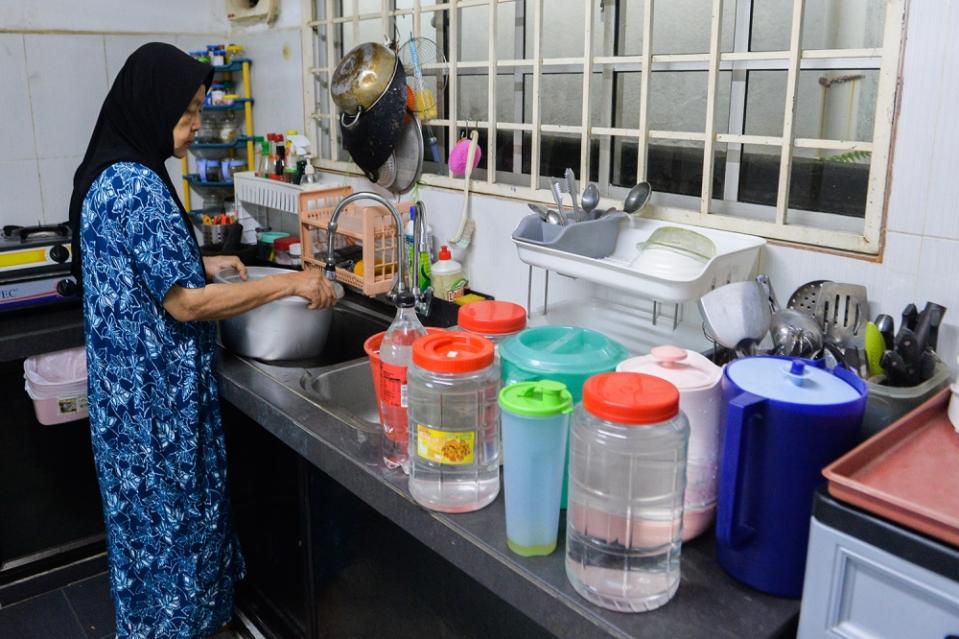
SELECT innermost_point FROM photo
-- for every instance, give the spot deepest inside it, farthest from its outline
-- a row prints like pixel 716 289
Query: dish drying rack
pixel 658 316
pixel 371 227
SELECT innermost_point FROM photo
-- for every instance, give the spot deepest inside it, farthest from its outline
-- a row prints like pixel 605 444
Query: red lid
pixel 284 243
pixel 445 253
pixel 492 318
pixel 453 352
pixel 630 398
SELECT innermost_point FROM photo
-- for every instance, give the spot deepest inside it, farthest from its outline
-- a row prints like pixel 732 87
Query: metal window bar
pixel 712 89
pixel 887 59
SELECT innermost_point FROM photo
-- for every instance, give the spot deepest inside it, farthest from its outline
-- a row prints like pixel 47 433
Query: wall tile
pixel 56 182
pixel 20 186
pixel 16 125
pixel 277 80
pixel 119 47
pixel 67 78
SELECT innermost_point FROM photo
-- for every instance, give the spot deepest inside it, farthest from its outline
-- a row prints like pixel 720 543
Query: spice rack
pixel 205 150
pixel 370 227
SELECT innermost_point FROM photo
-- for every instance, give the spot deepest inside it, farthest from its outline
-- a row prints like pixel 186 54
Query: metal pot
pixel 283 329
pixel 369 87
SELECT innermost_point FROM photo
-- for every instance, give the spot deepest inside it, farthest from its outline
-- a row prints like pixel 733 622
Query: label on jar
pixel 393 387
pixel 444 447
pixel 70 405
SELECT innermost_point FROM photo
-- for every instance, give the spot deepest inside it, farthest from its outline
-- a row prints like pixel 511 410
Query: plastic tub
pixel 57 384
pixel 886 404
pixel 493 320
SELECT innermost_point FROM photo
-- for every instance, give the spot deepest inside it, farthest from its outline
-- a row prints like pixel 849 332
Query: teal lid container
pixel 566 354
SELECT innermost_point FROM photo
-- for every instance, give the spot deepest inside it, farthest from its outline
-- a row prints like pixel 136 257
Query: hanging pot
pixel 369 86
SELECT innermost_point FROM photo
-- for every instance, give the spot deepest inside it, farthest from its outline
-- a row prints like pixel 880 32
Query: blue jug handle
pixel 742 410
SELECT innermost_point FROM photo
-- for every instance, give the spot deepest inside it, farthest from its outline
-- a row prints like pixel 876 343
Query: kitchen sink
pixel 347 391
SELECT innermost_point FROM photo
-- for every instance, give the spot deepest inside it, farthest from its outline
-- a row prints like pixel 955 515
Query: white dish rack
pixel 271 194
pixel 736 259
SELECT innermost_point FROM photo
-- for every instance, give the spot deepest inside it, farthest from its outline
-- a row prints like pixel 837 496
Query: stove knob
pixel 67 288
pixel 59 253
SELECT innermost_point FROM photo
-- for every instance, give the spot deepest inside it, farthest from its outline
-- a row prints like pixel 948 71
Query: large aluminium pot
pixel 284 329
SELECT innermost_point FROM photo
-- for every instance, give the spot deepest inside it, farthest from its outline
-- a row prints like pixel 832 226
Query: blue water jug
pixel 785 420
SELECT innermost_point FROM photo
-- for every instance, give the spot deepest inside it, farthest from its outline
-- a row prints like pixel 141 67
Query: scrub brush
pixel 465 231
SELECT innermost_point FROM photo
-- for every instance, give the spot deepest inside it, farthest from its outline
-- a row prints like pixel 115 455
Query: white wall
pixel 58 59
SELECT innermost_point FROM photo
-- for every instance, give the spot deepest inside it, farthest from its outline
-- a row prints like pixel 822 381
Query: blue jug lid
pixel 790 380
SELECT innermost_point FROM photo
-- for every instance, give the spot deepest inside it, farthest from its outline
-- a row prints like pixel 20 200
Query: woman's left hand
pixel 214 264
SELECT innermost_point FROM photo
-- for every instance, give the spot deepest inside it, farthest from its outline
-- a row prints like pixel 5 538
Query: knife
pixel 895 368
pixel 927 365
pixel 909 315
pixel 927 327
pixel 907 346
pixel 887 328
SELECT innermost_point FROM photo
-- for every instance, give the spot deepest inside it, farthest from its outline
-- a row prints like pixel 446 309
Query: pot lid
pixel 362 76
pixel 545 398
pixel 492 317
pixel 687 370
pixel 563 349
pixel 631 399
pixel 453 352
pixel 790 380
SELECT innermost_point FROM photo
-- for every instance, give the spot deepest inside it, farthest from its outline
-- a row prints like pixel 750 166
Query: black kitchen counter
pixel 709 603
pixel 33 331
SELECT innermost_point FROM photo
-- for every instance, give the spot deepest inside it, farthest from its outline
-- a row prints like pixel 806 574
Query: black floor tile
pixel 48 616
pixel 93 604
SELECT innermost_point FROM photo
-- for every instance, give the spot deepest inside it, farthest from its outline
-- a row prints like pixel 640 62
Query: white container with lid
pixel 700 398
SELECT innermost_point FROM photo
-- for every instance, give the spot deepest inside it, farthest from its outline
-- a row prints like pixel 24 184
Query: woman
pixel 151 354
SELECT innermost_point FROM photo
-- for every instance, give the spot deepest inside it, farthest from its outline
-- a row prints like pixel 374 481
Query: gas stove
pixel 35 266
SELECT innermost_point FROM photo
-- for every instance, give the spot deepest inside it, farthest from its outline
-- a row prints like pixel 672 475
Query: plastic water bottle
pixel 627 475
pixel 396 355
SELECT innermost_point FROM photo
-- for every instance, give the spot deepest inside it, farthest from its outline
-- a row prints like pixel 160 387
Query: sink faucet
pixel 401 294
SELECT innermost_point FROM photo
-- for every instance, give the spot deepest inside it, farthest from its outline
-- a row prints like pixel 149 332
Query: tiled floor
pixel 82 610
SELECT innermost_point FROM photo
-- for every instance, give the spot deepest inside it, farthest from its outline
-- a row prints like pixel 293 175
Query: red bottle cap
pixel 632 399
pixel 452 352
pixel 445 253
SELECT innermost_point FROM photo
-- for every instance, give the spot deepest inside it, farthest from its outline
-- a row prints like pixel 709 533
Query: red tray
pixel 908 473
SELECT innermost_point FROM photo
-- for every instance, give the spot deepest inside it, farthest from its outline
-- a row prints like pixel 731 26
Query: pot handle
pixel 348 121
pixel 741 412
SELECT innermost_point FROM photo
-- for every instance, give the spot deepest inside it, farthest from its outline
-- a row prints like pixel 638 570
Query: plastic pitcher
pixel 535 419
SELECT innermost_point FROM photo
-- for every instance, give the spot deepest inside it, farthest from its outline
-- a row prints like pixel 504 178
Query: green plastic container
pixel 566 354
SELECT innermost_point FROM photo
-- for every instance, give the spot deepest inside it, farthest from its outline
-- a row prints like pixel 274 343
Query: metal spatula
pixel 843 310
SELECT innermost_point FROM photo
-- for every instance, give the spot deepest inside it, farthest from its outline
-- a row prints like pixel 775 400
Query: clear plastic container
pixel 886 404
pixel 454 423
pixel 627 473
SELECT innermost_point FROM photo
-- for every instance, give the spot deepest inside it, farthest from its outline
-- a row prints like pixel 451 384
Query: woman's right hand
pixel 314 287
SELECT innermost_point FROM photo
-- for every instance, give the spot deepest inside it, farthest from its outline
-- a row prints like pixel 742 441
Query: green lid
pixel 563 349
pixel 536 399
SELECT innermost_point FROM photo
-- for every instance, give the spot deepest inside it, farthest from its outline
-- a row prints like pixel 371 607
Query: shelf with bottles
pixel 195 181
pixel 238 143
pixel 236 105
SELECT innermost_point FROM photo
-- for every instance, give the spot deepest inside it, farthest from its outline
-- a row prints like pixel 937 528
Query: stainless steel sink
pixel 345 390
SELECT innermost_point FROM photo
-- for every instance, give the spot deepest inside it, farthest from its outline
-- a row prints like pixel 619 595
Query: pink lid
pixel 685 369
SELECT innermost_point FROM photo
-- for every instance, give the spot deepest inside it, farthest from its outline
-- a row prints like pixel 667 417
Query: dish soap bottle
pixel 396 353
pixel 447 276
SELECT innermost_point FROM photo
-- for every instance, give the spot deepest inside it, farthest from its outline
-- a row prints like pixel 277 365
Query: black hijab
pixel 136 122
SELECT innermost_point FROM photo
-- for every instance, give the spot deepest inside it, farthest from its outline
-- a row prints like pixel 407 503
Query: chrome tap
pixel 401 294
pixel 423 298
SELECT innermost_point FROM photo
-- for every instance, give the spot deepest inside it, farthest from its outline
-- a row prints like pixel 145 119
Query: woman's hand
pixel 315 287
pixel 214 264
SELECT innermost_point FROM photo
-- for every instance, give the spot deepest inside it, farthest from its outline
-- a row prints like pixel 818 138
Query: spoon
pixel 590 200
pixel 547 215
pixel 637 197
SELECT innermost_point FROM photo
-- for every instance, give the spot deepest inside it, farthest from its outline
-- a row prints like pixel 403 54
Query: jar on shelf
pixel 453 422
pixel 286 250
pixel 627 474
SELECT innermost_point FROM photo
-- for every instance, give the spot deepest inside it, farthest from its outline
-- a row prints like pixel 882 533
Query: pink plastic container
pixel 57 384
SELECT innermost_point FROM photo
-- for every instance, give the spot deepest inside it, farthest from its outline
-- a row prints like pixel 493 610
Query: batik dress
pixel 154 417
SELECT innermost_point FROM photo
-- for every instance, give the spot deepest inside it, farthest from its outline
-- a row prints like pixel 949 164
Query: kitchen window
pixel 770 117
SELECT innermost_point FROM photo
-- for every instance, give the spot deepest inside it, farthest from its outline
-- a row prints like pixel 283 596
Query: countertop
pixel 33 331
pixel 709 603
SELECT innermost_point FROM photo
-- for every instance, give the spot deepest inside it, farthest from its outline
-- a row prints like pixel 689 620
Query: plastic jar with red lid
pixel 627 475
pixel 492 319
pixel 453 422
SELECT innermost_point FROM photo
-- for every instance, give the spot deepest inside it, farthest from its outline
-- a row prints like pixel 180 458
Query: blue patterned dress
pixel 154 414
